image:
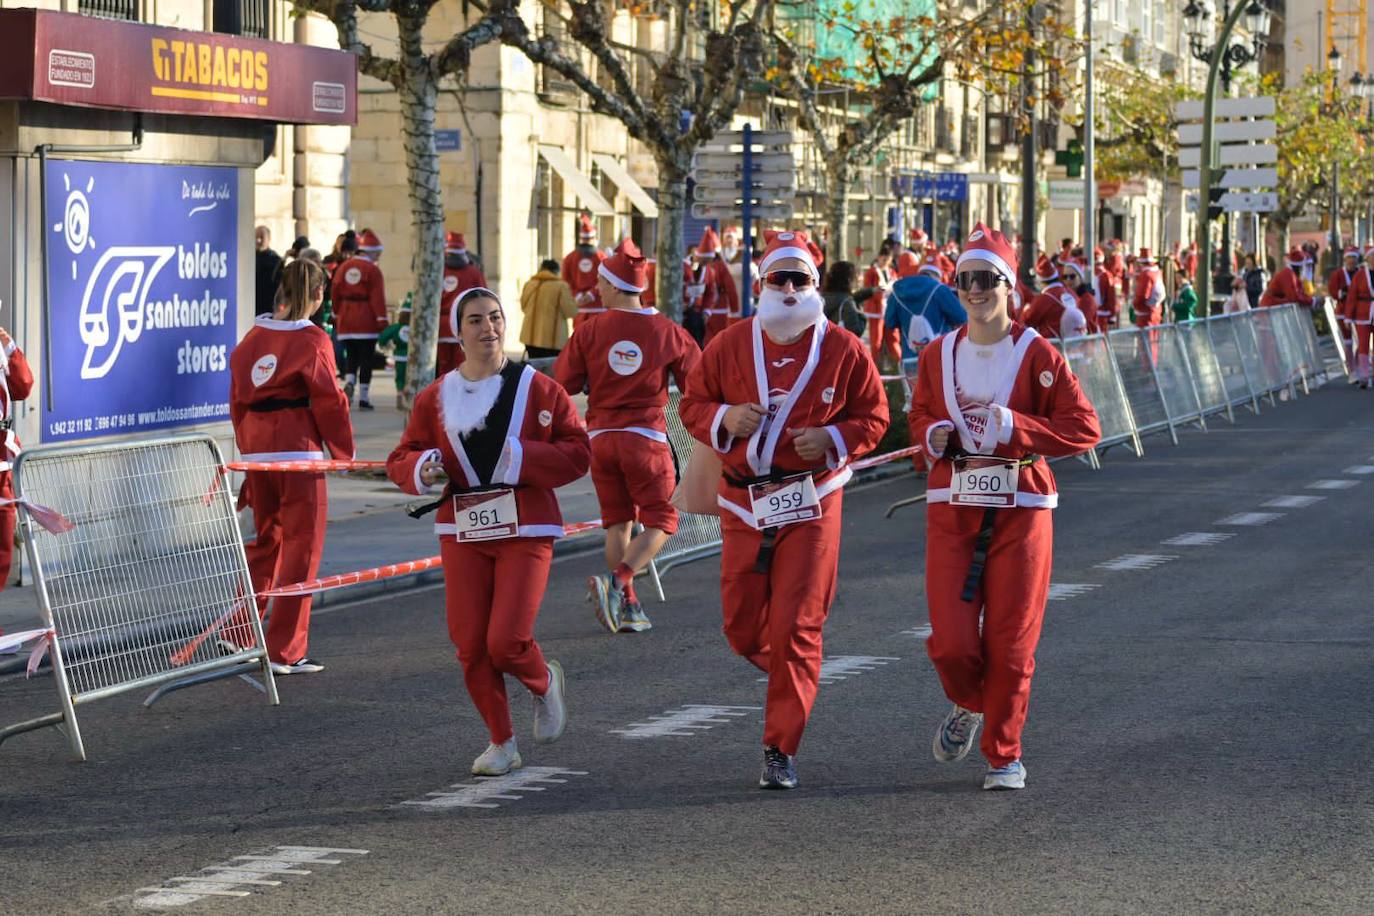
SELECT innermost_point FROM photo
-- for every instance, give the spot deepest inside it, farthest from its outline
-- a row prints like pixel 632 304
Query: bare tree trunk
pixel 841 176
pixel 673 167
pixel 419 99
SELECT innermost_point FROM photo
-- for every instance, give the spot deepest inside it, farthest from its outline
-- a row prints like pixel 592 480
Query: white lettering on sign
pixel 71 68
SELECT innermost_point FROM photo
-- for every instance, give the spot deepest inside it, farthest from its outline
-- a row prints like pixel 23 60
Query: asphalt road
pixel 1198 739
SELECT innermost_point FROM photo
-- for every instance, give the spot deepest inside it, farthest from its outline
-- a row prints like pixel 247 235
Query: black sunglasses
pixel 799 279
pixel 985 279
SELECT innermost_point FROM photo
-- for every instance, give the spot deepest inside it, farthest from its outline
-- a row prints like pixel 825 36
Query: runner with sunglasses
pixel 993 400
pixel 787 401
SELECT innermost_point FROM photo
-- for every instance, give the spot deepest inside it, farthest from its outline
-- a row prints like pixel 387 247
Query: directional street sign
pixel 1067 194
pixel 734 162
pixel 734 197
pixel 732 211
pixel 1228 132
pixel 1258 154
pixel 1261 107
pixel 735 181
pixel 733 138
pixel 1236 179
pixel 1249 202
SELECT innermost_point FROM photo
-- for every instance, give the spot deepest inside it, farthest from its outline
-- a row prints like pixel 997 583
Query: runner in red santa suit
pixel 461 274
pixel 1286 284
pixel 1104 291
pixel 16 381
pixel 787 403
pixel 1083 319
pixel 719 298
pixel 1054 312
pixel 286 406
pixel 579 271
pixel 879 277
pixel 499 438
pixel 993 401
pixel 1337 287
pixel 623 359
pixel 1359 303
pixel 1147 296
pixel 359 296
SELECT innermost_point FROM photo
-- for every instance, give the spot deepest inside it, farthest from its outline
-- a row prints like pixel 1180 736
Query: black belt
pixel 450 491
pixel 269 405
pixel 983 541
pixel 7 423
pixel 770 535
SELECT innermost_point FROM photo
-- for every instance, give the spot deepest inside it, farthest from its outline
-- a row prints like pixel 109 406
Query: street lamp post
pixel 1333 64
pixel 1221 59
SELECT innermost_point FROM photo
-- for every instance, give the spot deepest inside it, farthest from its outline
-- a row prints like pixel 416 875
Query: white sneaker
pixel 550 710
pixel 1011 776
pixel 497 760
pixel 955 735
pixel 304 666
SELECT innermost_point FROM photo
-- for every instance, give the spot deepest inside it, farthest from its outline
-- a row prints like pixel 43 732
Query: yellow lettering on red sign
pixel 209 64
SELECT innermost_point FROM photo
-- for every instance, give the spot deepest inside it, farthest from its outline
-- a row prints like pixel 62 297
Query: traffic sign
pixel 735 197
pixel 730 138
pixel 1067 194
pixel 1256 154
pixel 732 211
pixel 1228 132
pixel 734 162
pixel 1260 107
pixel 786 179
pixel 1240 179
pixel 1249 202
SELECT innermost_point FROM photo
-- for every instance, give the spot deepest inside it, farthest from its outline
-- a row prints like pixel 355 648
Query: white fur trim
pixel 611 278
pixel 841 451
pixel 268 322
pixel 777 254
pixel 1023 500
pixel 637 430
pixel 420 486
pixel 938 424
pixel 983 254
pixel 507 469
pixel 717 430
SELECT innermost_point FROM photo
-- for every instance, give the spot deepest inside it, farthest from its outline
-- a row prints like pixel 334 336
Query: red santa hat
pixel 586 232
pixel 709 246
pixel 1045 271
pixel 1077 265
pixel 454 243
pixel 455 310
pixel 931 265
pixel 907 264
pixel 1145 257
pixel 1353 252
pixel 368 241
pixel 1296 257
pixel 1097 253
pixel 781 245
pixel 918 236
pixel 817 255
pixel 626 270
pixel 731 230
pixel 986 244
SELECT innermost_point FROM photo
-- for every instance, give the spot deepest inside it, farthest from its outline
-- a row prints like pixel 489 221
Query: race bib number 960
pixel 790 500
pixel 486 516
pixel 984 481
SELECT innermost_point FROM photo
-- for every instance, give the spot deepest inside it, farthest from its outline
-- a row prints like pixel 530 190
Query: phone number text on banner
pixel 143 270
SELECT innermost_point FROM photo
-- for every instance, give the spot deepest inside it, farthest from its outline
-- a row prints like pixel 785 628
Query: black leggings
pixel 358 354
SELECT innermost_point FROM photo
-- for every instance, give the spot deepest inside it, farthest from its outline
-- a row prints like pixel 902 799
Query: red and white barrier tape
pixel 53 522
pixel 10 642
pixel 321 466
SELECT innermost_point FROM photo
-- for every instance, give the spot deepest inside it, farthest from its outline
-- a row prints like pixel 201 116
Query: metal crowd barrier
pixel 154 563
pixel 1092 360
pixel 697 536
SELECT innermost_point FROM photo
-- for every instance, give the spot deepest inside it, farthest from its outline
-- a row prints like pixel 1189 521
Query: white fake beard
pixel 784 322
pixel 729 252
pixel 466 411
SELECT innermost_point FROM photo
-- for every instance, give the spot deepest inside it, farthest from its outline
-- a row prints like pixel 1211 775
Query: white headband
pixel 778 254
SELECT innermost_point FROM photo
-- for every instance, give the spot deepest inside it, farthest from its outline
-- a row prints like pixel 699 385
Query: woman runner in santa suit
pixel 993 401
pixel 502 437
pixel 286 406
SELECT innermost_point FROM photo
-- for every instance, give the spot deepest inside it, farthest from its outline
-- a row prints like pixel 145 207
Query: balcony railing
pixel 243 17
pixel 109 9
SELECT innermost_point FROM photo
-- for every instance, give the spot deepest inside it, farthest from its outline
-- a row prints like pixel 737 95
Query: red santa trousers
pixel 774 619
pixel 7 520
pixel 988 672
pixel 492 592
pixel 289 513
pixel 634 480
pixel 1363 370
pixel 883 340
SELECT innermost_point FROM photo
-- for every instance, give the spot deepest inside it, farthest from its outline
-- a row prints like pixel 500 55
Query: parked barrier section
pixel 1134 350
pixel 1091 360
pixel 1174 376
pixel 154 561
pixel 1226 345
pixel 1204 369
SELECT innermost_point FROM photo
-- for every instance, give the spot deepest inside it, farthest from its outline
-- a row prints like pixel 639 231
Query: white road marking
pixel 1359 469
pixel 227 879
pixel 1198 539
pixel 920 632
pixel 483 789
pixel 1062 591
pixel 1250 518
pixel 838 667
pixel 1293 502
pixel 1137 561
pixel 687 720
pixel 1332 484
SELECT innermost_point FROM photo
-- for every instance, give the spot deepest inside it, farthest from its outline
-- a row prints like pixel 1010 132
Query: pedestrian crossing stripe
pixel 1062 591
pixel 1293 502
pixel 1332 484
pixel 1359 469
pixel 840 667
pixel 684 721
pixel 484 791
pixel 920 632
pixel 1251 518
pixel 1129 561
pixel 1198 539
pixel 240 877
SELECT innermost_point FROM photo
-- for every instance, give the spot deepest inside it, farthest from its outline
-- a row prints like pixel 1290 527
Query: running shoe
pixel 365 405
pixel 607 599
pixel 955 735
pixel 632 617
pixel 228 647
pixel 348 391
pixel 303 666
pixel 1011 776
pixel 497 760
pixel 779 769
pixel 550 710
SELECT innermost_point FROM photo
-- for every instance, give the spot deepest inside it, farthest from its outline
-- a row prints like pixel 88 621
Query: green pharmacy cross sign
pixel 1071 158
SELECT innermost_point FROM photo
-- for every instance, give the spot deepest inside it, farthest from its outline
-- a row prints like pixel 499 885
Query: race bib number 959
pixel 790 500
pixel 486 516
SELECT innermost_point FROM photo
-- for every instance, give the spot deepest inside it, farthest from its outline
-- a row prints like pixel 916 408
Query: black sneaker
pixel 365 405
pixel 779 770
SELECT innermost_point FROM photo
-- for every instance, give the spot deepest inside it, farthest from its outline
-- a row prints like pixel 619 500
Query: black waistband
pixel 268 405
pixel 774 476
pixel 422 509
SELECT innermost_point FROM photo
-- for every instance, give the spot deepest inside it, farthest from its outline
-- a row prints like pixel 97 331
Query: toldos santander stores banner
pixel 142 273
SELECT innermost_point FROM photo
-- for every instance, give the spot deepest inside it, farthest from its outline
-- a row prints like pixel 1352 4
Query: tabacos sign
pixel 189 69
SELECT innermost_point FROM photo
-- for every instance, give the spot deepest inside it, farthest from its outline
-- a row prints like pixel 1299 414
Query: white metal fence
pixel 138 591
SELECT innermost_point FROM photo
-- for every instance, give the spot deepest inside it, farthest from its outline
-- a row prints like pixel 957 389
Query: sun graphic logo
pixel 75 227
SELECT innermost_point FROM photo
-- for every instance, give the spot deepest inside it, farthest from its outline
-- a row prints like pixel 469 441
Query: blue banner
pixel 142 278
pixel 931 185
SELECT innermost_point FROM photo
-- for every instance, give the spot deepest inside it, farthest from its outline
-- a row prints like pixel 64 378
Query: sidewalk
pixel 368 525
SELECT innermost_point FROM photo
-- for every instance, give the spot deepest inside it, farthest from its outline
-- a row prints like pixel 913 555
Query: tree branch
pixel 344 15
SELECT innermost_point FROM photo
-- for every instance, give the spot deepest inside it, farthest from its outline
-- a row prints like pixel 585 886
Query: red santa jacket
pixel 1147 297
pixel 1337 283
pixel 16 381
pixel 1284 287
pixel 1047 414
pixel 579 272
pixel 825 379
pixel 546 442
pixel 720 296
pixel 456 282
pixel 1358 297
pixel 1047 309
pixel 283 399
pixel 649 298
pixel 1087 304
pixel 1105 293
pixel 359 296
pixel 878 279
pixel 622 357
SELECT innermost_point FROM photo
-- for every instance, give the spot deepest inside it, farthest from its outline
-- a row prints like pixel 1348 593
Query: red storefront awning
pixel 70 59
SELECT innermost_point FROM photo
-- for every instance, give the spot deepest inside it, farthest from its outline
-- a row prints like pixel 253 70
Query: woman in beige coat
pixel 548 306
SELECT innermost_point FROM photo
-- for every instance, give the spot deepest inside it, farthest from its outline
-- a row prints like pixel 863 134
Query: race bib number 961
pixel 984 481
pixel 790 500
pixel 486 516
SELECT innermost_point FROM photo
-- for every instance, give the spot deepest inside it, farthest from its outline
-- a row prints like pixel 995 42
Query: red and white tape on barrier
pixel 10 642
pixel 324 466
